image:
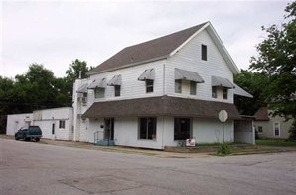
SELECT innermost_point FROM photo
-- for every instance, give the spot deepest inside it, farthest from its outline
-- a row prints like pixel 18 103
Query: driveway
pixel 33 168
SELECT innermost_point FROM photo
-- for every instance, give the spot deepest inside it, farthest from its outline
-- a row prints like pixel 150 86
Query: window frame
pixel 117 90
pixel 99 92
pixel 146 131
pixel 178 129
pixel 260 130
pixel 204 52
pixel 214 92
pixel 225 93
pixel 276 124
pixel 62 124
pixel 178 86
pixel 193 86
pixel 149 85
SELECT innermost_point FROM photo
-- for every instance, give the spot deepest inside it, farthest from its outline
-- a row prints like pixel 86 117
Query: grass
pixel 275 142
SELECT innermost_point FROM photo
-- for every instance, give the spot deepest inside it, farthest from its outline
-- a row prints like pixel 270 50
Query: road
pixel 43 169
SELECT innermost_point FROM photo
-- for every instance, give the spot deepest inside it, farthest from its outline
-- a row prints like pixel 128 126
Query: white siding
pixel 189 58
pixel 211 130
pixel 17 121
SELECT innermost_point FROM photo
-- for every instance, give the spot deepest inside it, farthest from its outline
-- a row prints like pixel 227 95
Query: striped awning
pixel 147 75
pixel 97 83
pixel 188 75
pixel 222 82
pixel 82 89
pixel 116 80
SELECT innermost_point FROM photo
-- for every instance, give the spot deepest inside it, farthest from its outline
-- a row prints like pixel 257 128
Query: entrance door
pixel 109 128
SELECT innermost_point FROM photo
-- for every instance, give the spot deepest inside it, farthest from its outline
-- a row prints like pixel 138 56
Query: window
pixel 225 93
pixel 214 92
pixel 276 127
pixel 149 86
pixel 260 129
pixel 99 92
pixel 204 53
pixel 182 128
pixel 117 90
pixel 192 88
pixel 147 128
pixel 62 124
pixel 178 86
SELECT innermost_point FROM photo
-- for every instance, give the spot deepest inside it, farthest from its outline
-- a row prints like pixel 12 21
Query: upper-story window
pixel 117 90
pixel 225 90
pixel 204 52
pixel 99 92
pixel 178 86
pixel 192 88
pixel 148 76
pixel 214 92
pixel 149 86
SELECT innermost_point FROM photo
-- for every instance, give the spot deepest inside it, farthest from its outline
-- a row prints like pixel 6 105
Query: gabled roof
pixel 160 106
pixel 262 114
pixel 161 48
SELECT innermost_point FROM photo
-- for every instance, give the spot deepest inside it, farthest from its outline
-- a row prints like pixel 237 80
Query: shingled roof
pixel 156 49
pixel 262 114
pixel 160 106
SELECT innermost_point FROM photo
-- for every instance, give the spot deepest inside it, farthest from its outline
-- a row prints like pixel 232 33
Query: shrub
pixel 224 149
pixel 292 131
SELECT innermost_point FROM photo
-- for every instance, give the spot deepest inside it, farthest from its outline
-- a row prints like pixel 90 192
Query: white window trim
pixel 279 129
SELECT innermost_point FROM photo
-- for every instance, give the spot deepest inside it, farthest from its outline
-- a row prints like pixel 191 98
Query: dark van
pixel 30 133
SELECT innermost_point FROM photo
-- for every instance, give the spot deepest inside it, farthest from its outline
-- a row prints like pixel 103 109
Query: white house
pixel 160 92
pixel 56 123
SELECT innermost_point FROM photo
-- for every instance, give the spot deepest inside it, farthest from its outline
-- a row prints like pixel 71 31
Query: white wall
pixel 16 121
pixel 189 58
pixel 211 130
pixel 46 118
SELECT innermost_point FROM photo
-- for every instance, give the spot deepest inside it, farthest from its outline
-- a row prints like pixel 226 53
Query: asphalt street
pixel 43 169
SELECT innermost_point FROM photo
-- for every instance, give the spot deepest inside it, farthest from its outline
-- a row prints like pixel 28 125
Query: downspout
pixel 162 136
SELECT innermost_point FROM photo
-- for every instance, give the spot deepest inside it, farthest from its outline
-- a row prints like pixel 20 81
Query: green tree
pixel 255 83
pixel 75 67
pixel 277 59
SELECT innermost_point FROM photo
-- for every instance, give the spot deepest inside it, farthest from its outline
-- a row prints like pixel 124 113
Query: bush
pixel 224 149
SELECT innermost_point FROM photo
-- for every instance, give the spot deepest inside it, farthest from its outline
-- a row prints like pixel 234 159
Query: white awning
pixel 223 82
pixel 188 75
pixel 116 80
pixel 147 75
pixel 99 83
pixel 240 91
pixel 82 89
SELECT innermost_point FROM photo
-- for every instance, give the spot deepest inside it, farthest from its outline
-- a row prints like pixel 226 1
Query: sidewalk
pixel 159 153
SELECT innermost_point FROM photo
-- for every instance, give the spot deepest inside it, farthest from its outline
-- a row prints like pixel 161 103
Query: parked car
pixel 30 133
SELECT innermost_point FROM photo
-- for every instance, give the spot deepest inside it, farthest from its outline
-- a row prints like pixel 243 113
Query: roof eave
pixel 130 65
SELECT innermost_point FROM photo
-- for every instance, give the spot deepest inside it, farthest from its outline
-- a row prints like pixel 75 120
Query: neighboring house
pixel 55 123
pixel 161 92
pixel 268 126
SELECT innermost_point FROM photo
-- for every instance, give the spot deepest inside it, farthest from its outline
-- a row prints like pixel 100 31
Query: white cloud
pixel 56 33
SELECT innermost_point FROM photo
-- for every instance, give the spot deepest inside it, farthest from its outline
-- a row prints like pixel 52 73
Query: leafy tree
pixel 277 59
pixel 292 131
pixel 255 83
pixel 75 67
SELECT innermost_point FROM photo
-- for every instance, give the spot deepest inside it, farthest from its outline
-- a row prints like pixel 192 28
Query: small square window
pixel 192 88
pixel 62 124
pixel 99 92
pixel 149 86
pixel 204 52
pixel 178 86
pixel 117 90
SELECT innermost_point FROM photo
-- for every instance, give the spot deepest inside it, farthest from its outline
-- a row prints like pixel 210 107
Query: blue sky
pixel 54 33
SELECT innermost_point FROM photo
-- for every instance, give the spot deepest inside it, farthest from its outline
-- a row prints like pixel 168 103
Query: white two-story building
pixel 160 92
